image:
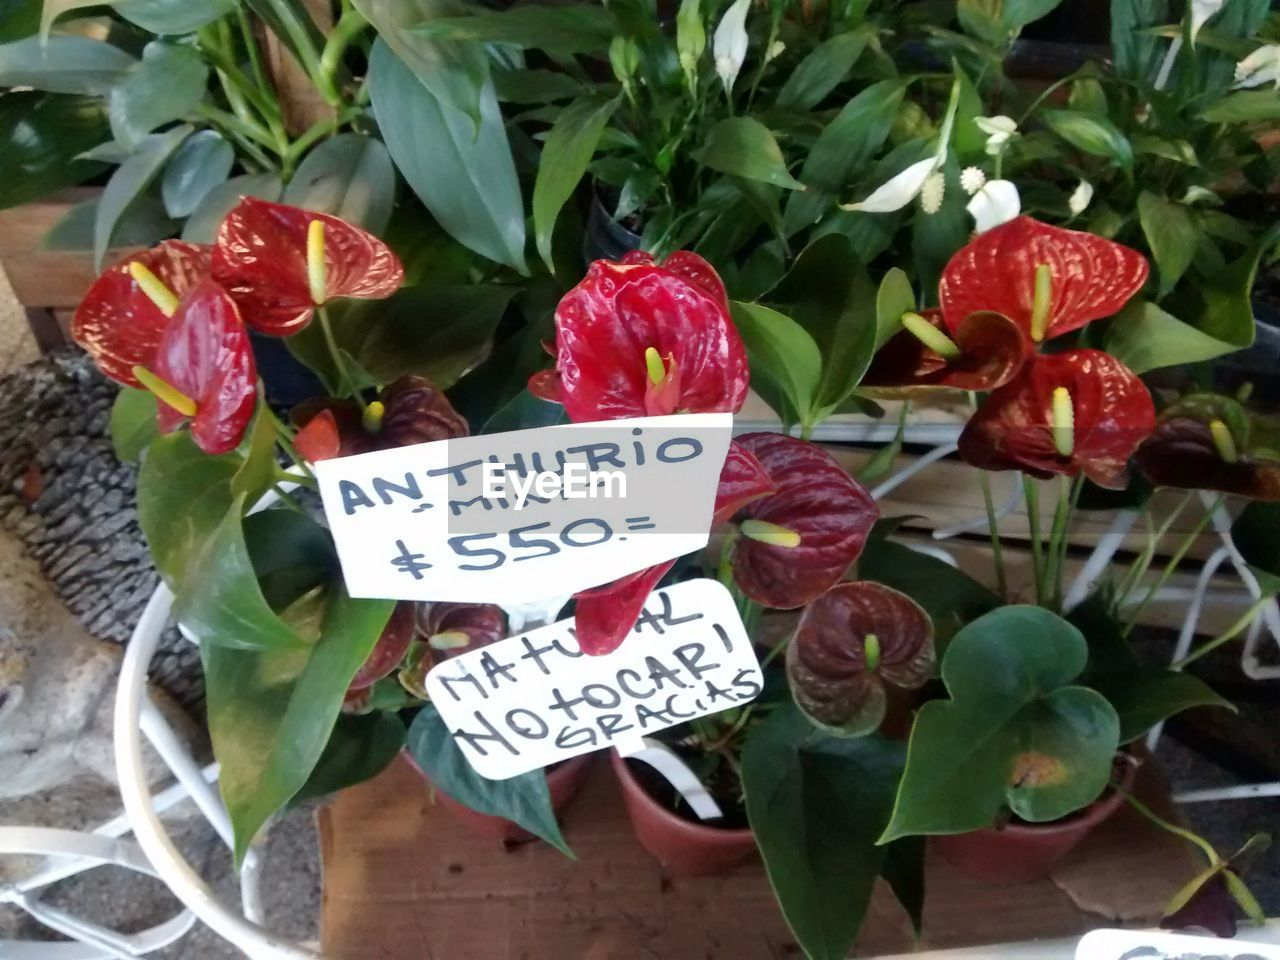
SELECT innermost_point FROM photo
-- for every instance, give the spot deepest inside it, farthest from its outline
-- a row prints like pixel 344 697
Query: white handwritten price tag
pixel 531 700
pixel 513 517
pixel 1158 945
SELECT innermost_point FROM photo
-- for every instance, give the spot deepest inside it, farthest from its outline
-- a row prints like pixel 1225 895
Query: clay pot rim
pixel 699 830
pixel 1090 816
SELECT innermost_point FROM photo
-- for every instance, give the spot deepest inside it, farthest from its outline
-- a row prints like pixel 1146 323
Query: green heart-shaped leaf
pixel 1015 731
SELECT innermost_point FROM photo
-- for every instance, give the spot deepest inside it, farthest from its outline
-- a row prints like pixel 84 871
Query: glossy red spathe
pixel 743 479
pixel 389 650
pixel 1092 277
pixel 413 411
pixel 205 354
pixel 118 324
pixel 260 256
pixel 604 615
pixel 1112 413
pixel 607 324
pixel 817 499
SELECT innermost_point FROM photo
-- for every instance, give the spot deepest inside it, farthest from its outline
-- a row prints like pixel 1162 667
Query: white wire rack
pixel 156 853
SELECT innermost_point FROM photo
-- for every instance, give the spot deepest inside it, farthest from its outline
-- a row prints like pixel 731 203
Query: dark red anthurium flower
pixel 850 642
pixel 454 628
pixel 1049 280
pixel 1210 442
pixel 1080 411
pixel 604 615
pixel 119 323
pixel 985 351
pixel 389 650
pixel 797 542
pixel 206 372
pixel 637 339
pixel 410 410
pixel 281 262
pixel 446 630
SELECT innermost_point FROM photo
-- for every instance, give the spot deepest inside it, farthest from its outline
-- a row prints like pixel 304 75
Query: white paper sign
pixel 531 700
pixel 569 507
pixel 1158 945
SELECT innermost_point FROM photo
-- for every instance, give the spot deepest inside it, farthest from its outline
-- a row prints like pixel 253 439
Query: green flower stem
pixel 1044 95
pixel 1203 845
pixel 348 382
pixel 993 525
pixel 1032 496
pixel 349 26
pixel 284 436
pixel 317 131
pixel 1140 567
pixel 290 19
pixel 1171 567
pixel 1060 540
pixel 245 130
pixel 1226 635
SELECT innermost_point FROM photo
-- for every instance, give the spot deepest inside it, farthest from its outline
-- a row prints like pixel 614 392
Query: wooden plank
pixel 401 880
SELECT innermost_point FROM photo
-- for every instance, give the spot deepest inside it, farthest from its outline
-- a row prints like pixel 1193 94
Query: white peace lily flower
pixel 775 50
pixel 1080 198
pixel 999 130
pixel 1198 194
pixel 933 192
pixel 729 46
pixel 1261 66
pixel 898 191
pixel 972 180
pixel 1201 11
pixel 994 204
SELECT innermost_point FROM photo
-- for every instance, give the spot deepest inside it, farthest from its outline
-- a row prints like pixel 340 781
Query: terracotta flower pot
pixel 686 849
pixel 1022 852
pixel 564 782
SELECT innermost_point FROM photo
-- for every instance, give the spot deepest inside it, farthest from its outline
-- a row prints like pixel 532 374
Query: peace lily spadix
pixel 995 203
pixel 900 190
pixel 729 46
pixel 1261 66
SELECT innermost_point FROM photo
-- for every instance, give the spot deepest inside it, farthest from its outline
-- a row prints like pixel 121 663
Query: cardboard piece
pixel 404 881
pixel 534 699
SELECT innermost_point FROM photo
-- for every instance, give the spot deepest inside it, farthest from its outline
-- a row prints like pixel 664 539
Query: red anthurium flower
pixel 604 615
pixel 392 645
pixel 985 351
pixel 1067 413
pixel 637 339
pixel 407 411
pixel 1049 280
pixel 1210 442
pixel 797 542
pixel 119 323
pixel 851 642
pixel 454 628
pixel 205 370
pixel 281 262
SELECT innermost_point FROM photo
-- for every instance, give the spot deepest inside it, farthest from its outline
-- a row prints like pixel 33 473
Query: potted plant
pixel 1026 729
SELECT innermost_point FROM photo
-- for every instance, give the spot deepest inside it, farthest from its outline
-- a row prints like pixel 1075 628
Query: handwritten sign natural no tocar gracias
pixel 535 699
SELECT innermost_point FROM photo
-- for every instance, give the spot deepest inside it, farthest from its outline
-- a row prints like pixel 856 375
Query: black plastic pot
pixel 286 380
pixel 604 238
